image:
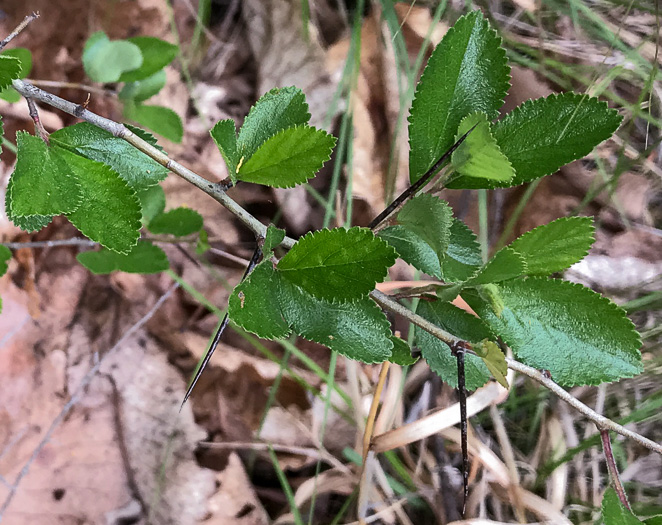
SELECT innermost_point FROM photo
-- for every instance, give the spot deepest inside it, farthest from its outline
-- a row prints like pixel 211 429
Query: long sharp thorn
pixel 462 391
pixel 217 336
pixel 411 190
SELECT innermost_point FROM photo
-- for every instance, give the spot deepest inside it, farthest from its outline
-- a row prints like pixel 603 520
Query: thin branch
pixel 20 27
pixel 55 84
pixel 600 421
pixel 613 470
pixel 50 244
pixel 76 396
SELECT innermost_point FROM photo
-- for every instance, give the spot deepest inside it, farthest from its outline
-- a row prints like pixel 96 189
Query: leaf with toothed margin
pixel 494 360
pixel 478 160
pixel 144 257
pixel 468 71
pixel 272 239
pixel 93 143
pixel 555 246
pixel 224 134
pixel 581 337
pixel 109 211
pixel 462 258
pixel 152 202
pixel 429 218
pixel 412 249
pixel 254 304
pixel 504 264
pixel 41 183
pixel 438 354
pixel 615 513
pixel 279 109
pixel 159 119
pixel 29 223
pixel 358 329
pixel 401 354
pixel 290 157
pixel 10 94
pixel 542 135
pixel 10 68
pixel 338 264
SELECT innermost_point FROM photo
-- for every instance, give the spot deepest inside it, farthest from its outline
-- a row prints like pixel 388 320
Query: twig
pixel 20 27
pixel 38 125
pixel 49 244
pixel 613 470
pixel 76 396
pixel 459 349
pixel 73 85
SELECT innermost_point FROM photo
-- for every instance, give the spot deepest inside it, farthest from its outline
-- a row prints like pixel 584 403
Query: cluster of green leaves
pixel 138 64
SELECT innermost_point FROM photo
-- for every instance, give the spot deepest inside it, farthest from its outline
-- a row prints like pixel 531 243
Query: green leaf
pixel 468 71
pixel 178 222
pixel 109 212
pixel 41 183
pixel 5 256
pixel 478 159
pixel 654 520
pixel 105 60
pixel 152 202
pixel 10 94
pixel 463 257
pixel 581 337
pixel 542 135
pixel 412 249
pixel 272 239
pixel 338 263
pixel 358 330
pixel 254 303
pixel 202 246
pixel 134 167
pixel 494 360
pixel 224 134
pixel 156 54
pixel 143 258
pixel 28 223
pixel 505 264
pixel 290 157
pixel 614 512
pixel 279 109
pixel 429 218
pixel 438 354
pixel 10 68
pixel 401 354
pixel 555 246
pixel 159 119
pixel 141 90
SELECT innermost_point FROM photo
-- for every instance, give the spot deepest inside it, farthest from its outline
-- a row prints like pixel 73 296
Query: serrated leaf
pixel 41 183
pixel 429 218
pixel 438 354
pixel 156 54
pixel 478 160
pixel 581 337
pixel 401 353
pixel 272 239
pixel 178 222
pixel 279 109
pixel 412 249
pixel 161 120
pixel 134 167
pixel 152 202
pixel 338 264
pixel 143 258
pixel 29 223
pixel 505 264
pixel 5 256
pixel 9 93
pixel 555 246
pixel 542 135
pixel 254 304
pixel 468 71
pixel 290 157
pixel 10 68
pixel 141 90
pixel 494 360
pixel 145 135
pixel 109 212
pixel 224 134
pixel 358 329
pixel 463 257
pixel 614 512
pixel 105 60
